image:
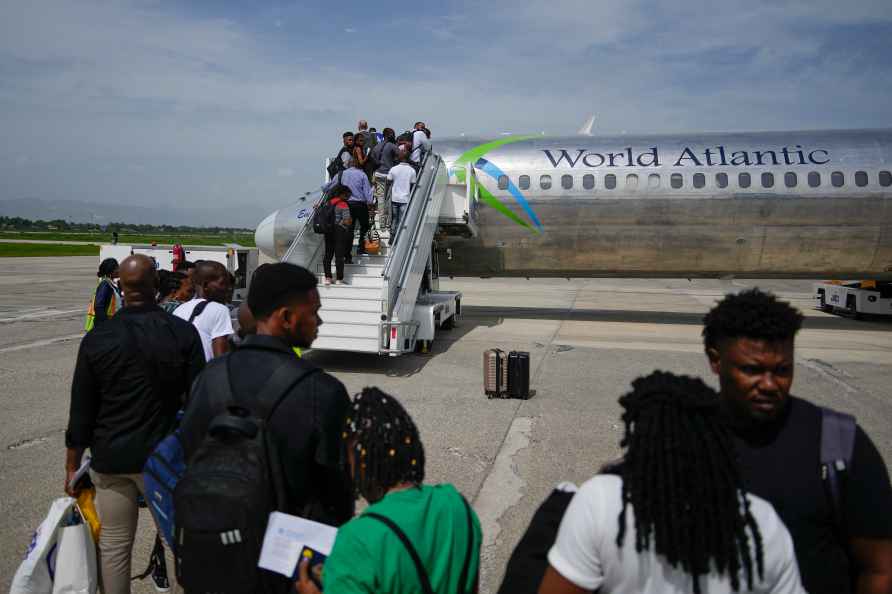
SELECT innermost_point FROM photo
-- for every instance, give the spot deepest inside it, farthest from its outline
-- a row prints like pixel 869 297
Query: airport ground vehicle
pixel 855 298
pixel 240 261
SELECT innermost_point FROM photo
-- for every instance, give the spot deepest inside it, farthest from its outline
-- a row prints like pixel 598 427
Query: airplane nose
pixel 265 235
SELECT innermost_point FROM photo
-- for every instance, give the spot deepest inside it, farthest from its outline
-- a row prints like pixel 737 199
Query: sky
pixel 214 104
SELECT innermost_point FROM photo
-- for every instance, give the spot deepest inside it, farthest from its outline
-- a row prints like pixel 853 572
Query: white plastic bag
pixel 52 542
pixel 75 561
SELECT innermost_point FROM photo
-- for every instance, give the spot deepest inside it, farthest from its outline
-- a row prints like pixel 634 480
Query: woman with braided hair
pixel 413 537
pixel 675 517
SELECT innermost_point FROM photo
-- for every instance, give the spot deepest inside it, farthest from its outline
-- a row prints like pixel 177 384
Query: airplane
pixel 806 204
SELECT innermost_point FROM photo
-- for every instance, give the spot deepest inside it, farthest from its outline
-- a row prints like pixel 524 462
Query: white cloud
pixel 208 107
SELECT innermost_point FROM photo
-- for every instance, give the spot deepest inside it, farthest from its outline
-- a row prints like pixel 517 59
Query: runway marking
pixel 39 343
pixel 41 314
pixel 503 487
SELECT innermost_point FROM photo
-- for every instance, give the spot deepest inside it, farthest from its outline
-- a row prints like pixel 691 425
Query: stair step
pixel 349 330
pixel 352 304
pixel 356 345
pixel 377 269
pixel 365 281
pixel 349 291
pixel 349 316
pixel 380 259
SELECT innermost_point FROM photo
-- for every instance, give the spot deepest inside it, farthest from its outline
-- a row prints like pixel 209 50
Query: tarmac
pixel 587 338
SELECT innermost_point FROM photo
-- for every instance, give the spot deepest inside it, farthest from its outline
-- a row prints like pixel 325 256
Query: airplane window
pixel 610 181
pixel 588 181
pixel 632 181
pixel 721 180
pixel 743 180
pixel 676 181
pixel 767 180
pixel 567 182
pixel 790 179
pixel 503 182
pixel 814 179
pixel 860 179
pixel 524 182
pixel 837 179
pixel 545 182
pixel 699 180
pixel 885 179
pixel 653 181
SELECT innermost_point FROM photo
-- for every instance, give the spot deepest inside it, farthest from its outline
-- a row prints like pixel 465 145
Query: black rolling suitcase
pixel 519 375
pixel 495 373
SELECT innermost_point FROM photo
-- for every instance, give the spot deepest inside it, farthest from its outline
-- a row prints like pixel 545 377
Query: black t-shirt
pixel 782 465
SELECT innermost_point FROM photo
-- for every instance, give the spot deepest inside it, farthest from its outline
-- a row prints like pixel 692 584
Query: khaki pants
pixel 118 513
pixel 382 198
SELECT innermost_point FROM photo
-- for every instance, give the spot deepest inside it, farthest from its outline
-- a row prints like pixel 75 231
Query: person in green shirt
pixel 413 537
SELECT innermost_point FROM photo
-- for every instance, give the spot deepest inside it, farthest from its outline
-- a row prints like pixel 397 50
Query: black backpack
pixel 324 218
pixel 232 483
pixel 337 164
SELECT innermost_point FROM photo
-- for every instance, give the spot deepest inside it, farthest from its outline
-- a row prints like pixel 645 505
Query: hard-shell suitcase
pixel 495 373
pixel 519 374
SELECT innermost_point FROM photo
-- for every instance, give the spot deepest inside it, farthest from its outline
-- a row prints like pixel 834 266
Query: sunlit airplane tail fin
pixel 586 129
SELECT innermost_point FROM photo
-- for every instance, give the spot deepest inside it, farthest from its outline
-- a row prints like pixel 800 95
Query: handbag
pixel 372 243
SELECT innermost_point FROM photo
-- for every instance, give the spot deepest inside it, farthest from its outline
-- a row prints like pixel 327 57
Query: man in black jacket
pixel 306 425
pixel 132 375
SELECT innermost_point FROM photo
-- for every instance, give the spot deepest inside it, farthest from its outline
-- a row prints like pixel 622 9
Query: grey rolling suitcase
pixel 495 373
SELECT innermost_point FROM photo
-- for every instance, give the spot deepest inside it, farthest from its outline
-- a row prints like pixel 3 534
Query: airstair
pixel 390 303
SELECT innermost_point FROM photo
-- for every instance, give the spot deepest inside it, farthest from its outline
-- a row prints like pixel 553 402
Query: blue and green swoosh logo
pixel 477 156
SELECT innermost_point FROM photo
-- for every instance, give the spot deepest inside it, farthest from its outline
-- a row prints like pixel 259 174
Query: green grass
pixel 23 250
pixel 245 239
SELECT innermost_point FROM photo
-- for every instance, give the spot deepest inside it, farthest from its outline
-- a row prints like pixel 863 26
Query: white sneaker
pixel 339 282
pixel 326 281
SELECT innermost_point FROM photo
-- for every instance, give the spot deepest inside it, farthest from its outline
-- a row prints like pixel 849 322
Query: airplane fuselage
pixel 789 204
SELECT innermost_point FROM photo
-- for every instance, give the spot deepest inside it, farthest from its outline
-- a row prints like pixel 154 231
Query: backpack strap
pixel 422 573
pixel 283 379
pixel 220 388
pixel 198 309
pixel 837 444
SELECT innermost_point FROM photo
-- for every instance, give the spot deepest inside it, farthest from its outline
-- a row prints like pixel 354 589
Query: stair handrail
pixel 398 260
pixel 308 223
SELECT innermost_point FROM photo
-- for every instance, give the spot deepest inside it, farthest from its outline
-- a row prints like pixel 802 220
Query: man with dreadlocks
pixel 843 537
pixel 676 518
pixel 413 537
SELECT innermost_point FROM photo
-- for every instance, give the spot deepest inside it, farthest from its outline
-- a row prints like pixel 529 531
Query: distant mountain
pixel 77 211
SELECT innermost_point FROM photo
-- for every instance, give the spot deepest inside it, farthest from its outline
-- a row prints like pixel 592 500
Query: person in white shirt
pixel 673 515
pixel 206 310
pixel 421 144
pixel 402 177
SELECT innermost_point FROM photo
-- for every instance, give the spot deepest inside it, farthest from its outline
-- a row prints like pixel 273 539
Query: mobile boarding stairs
pixel 391 303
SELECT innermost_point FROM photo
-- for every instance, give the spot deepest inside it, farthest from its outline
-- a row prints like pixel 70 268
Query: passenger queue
pixel 372 180
pixel 727 491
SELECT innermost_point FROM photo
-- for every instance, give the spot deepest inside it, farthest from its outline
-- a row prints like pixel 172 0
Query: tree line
pixel 22 224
